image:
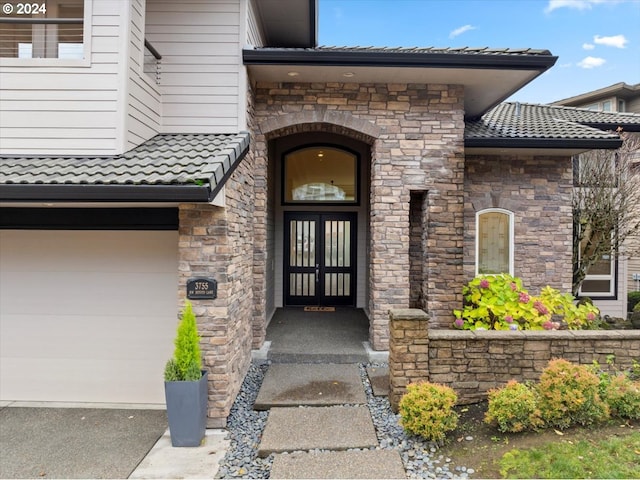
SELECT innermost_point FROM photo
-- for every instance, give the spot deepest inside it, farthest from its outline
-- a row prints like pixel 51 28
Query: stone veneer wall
pixel 472 362
pixel 538 191
pixel 217 242
pixel 416 135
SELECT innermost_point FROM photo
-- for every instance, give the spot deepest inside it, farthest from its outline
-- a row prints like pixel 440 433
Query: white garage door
pixel 86 316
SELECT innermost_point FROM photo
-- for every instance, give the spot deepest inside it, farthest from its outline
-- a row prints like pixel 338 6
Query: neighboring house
pixel 291 174
pixel 619 97
pixel 625 272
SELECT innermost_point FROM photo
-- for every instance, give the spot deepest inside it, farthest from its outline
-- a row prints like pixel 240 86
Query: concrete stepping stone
pixel 379 378
pixel 306 428
pixel 352 464
pixel 293 384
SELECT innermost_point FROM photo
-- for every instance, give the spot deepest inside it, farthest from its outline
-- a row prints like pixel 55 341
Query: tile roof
pixel 522 121
pixel 166 159
pixel 416 50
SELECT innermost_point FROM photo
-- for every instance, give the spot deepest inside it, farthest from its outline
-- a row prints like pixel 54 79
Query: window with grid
pixel 494 242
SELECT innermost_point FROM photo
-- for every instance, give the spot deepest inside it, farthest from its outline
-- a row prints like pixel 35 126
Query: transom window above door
pixel 320 174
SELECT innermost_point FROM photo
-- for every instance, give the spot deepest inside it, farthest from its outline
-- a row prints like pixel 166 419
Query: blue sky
pixel 597 41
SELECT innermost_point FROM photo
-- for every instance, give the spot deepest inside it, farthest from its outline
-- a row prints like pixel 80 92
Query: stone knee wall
pixel 473 362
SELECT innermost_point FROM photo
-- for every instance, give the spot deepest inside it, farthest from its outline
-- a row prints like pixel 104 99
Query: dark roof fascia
pixel 544 143
pixel 395 59
pixel 104 193
pixel 228 174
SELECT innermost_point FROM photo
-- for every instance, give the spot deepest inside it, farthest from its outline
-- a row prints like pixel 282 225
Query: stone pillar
pixel 408 351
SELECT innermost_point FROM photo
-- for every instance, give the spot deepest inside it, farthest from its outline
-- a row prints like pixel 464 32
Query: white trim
pixel 511 217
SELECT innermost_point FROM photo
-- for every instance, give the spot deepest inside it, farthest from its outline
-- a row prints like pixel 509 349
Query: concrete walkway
pixel 311 441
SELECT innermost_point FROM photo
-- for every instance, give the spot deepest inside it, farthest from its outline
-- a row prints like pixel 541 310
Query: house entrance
pixel 320 261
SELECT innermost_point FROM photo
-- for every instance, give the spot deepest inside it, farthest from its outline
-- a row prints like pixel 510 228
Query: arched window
pixel 494 242
pixel 320 174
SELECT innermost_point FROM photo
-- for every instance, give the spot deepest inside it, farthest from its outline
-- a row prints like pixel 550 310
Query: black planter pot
pixel 187 411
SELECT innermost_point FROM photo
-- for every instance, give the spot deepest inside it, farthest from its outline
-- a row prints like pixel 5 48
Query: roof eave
pixel 104 193
pixel 544 143
pixel 396 59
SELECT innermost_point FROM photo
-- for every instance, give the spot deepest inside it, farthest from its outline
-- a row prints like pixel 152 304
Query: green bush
pixel 633 300
pixel 623 396
pixel 513 408
pixel 499 302
pixel 569 394
pixel 427 410
pixel 186 363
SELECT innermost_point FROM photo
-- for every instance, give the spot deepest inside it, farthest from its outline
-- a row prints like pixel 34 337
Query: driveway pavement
pixel 76 442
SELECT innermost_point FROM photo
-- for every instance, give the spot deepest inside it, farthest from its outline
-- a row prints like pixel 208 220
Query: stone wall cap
pixel 450 334
pixel 408 314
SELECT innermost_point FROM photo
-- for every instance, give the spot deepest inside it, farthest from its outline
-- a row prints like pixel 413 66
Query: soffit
pixel 489 76
pixel 288 23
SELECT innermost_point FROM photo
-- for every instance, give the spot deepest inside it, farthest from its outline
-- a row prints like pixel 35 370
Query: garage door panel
pixel 139 382
pixel 86 339
pixel 87 251
pixel 86 316
pixel 55 293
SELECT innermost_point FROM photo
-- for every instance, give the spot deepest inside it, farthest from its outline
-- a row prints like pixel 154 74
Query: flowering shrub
pixel 513 408
pixel 499 302
pixel 569 394
pixel 619 388
pixel 427 410
pixel 623 396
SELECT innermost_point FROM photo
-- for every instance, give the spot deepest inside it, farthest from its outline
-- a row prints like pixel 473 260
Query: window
pixel 621 106
pixel 44 29
pixel 320 174
pixel 600 279
pixel 590 170
pixel 606 106
pixel 494 242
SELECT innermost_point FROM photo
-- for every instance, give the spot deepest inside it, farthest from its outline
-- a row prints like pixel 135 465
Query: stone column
pixel 408 351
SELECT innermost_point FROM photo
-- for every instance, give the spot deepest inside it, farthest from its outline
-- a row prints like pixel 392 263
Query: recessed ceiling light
pixel 348 74
pixel 293 74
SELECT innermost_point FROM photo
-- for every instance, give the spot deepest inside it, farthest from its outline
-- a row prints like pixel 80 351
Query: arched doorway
pixel 321 209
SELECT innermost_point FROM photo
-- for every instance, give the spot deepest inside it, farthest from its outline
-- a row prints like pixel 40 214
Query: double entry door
pixel 320 267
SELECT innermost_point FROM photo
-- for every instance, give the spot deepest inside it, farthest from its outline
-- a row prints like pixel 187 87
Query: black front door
pixel 319 251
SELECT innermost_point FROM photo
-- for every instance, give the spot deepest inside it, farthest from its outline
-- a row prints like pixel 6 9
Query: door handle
pixel 317 272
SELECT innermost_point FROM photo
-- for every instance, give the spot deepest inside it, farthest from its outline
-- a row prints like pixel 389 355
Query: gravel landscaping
pixel 245 425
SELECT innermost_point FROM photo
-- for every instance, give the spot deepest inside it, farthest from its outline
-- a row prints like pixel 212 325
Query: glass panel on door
pixel 320 267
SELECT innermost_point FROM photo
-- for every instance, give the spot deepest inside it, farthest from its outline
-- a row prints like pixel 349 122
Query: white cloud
pixel 618 41
pixel 591 62
pixel 461 30
pixel 588 46
pixel 575 4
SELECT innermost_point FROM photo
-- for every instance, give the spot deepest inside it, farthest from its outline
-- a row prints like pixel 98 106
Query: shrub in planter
pixel 427 410
pixel 186 385
pixel 569 394
pixel 513 408
pixel 186 363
